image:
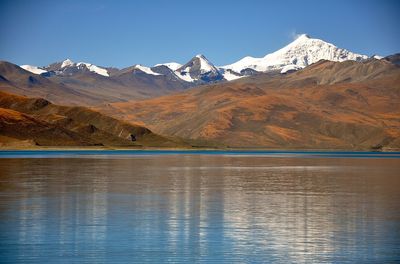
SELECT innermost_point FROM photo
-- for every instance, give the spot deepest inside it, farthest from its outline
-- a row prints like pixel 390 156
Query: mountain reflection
pixel 199 208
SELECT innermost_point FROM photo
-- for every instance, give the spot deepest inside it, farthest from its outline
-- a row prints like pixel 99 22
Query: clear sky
pixel 123 33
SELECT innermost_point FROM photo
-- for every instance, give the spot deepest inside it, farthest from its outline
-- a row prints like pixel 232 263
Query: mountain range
pixel 302 52
pixel 309 94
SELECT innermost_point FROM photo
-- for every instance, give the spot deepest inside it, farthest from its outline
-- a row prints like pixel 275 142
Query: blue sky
pixel 123 33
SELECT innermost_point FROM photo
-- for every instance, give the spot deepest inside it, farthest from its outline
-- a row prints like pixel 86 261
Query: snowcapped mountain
pixel 199 68
pixel 33 69
pixel 299 54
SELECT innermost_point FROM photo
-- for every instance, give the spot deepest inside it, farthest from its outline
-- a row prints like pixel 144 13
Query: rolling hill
pixel 46 124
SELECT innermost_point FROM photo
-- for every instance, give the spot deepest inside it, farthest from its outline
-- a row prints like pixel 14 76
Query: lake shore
pixel 135 148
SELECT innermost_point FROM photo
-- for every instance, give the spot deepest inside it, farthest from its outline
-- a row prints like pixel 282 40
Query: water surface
pixel 191 207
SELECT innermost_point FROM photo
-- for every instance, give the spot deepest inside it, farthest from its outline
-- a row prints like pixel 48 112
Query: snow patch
pixel 33 69
pixel 172 65
pixel 290 67
pixel 229 75
pixel 184 76
pixel 146 70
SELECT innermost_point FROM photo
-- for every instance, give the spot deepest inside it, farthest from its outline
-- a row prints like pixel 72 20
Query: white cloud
pixel 294 35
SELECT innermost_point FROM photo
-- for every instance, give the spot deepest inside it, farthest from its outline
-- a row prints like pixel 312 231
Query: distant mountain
pixel 71 83
pixel 15 79
pixel 299 54
pixel 75 84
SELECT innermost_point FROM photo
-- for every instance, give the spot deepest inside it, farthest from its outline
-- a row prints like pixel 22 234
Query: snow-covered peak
pixel 33 69
pixel 300 53
pixel 145 69
pixel 93 68
pixel 198 63
pixel 301 38
pixel 199 68
pixel 67 63
pixel 172 65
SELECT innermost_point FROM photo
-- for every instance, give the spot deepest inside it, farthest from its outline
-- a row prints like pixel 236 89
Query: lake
pixel 199 207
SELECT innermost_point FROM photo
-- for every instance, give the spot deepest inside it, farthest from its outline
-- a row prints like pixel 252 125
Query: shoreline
pixel 189 149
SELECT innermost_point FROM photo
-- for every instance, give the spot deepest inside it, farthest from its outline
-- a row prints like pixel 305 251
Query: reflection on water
pixel 199 208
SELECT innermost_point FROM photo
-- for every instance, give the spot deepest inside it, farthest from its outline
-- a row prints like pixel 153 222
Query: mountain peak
pixel 67 63
pixel 199 68
pixel 201 56
pixel 303 37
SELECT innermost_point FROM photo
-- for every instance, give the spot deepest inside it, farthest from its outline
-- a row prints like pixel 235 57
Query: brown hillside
pixel 97 128
pixel 19 126
pixel 326 105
